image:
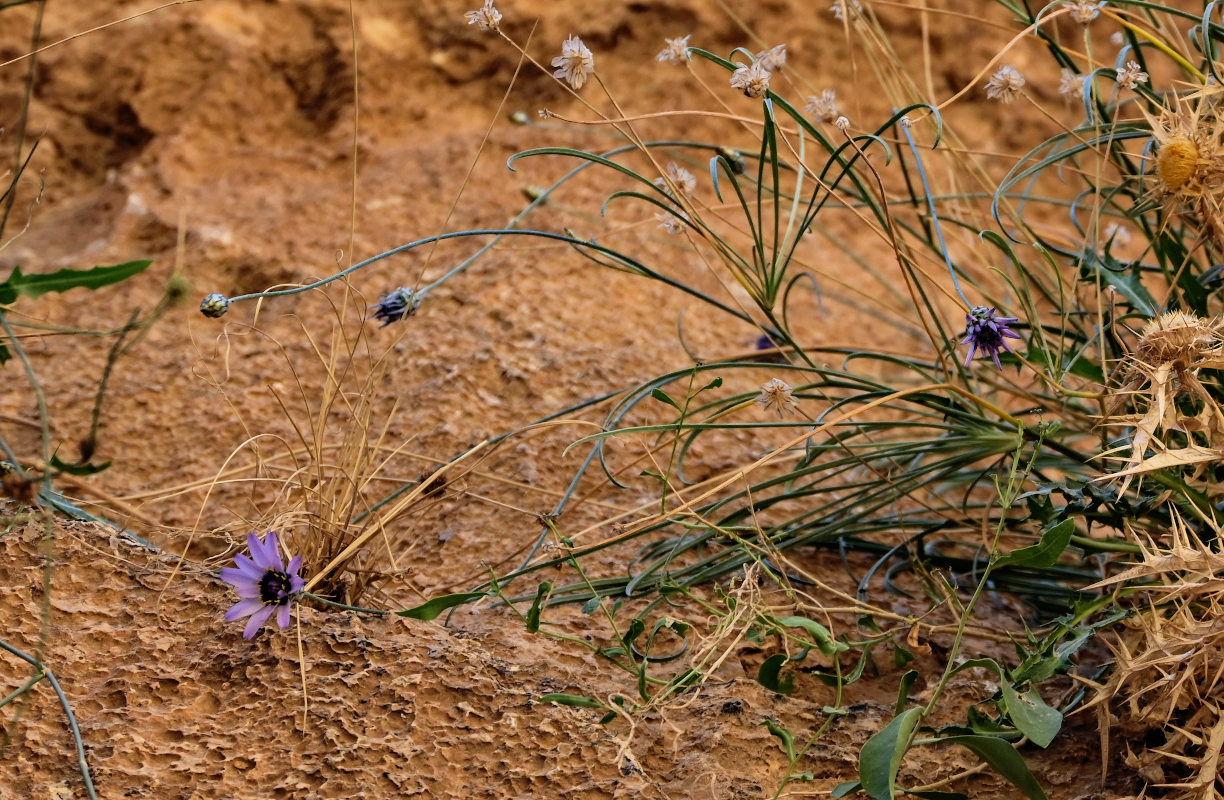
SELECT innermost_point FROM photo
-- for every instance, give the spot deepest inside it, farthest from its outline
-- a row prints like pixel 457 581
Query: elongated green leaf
pixel 1031 716
pixel 436 606
pixel 881 756
pixel 533 616
pixel 18 283
pixel 820 634
pixel 843 789
pixel 788 741
pixel 1046 552
pixel 571 700
pixel 664 397
pixel 1005 760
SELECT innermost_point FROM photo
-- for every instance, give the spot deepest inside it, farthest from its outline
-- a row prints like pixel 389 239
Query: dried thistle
pixel 1189 163
pixel 1161 378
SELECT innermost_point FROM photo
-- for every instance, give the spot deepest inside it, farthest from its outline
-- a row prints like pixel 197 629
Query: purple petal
pixel 296 584
pixel 295 564
pixel 282 616
pixel 256 622
pixel 241 583
pixel 1009 333
pixel 244 608
pixel 248 567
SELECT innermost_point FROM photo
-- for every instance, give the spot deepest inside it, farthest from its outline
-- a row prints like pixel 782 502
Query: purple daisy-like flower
pixel 264 584
pixel 985 332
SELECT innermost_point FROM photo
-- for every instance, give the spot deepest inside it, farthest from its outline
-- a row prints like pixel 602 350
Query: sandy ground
pixel 218 138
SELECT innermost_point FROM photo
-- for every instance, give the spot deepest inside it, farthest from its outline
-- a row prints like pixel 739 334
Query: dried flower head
pixel 264 584
pixel 214 305
pixel 840 7
pixel 773 59
pixel 777 395
pixel 1161 378
pixel 1117 235
pixel 675 51
pixel 1084 11
pixel 986 332
pixel 751 79
pixel 672 223
pixel 842 123
pixel 487 18
pixel 1071 84
pixel 822 107
pixel 1005 84
pixel 684 181
pixel 1131 75
pixel 575 64
pixel 395 305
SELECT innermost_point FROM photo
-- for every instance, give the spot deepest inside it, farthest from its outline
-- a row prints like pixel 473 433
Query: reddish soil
pixel 217 137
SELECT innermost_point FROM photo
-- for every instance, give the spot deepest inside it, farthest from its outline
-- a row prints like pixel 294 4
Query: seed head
pixel 671 223
pixel 777 395
pixel 773 59
pixel 1177 162
pixel 214 305
pixel 985 332
pixel 1084 11
pixel 1177 338
pixel 1005 84
pixel 1131 75
pixel 751 79
pixel 840 7
pixel 487 18
pixel 675 51
pixel 575 64
pixel 1071 84
pixel 822 107
pixel 678 176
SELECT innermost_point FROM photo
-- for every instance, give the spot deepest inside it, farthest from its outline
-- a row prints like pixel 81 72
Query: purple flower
pixel 263 583
pixel 985 332
pixel 396 305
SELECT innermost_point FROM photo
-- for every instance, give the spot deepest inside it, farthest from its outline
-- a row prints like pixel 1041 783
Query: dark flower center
pixel 274 587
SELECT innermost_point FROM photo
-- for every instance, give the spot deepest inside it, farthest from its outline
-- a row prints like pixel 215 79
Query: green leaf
pixel 1036 720
pixel 664 397
pixel 788 741
pixel 572 700
pixel 881 756
pixel 907 683
pixel 843 789
pixel 62 280
pixel 1127 282
pixel 590 605
pixel 533 616
pixel 1046 552
pixel 1005 760
pixel 85 468
pixel 769 675
pixel 431 609
pixel 824 640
